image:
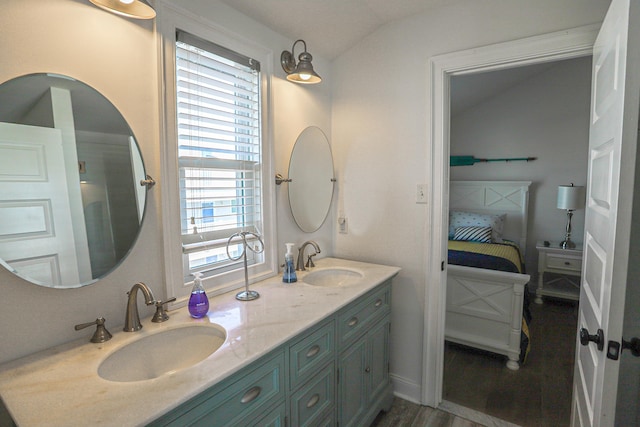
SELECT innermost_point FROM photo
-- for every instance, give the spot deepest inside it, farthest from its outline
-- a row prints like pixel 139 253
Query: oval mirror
pixel 311 174
pixel 71 203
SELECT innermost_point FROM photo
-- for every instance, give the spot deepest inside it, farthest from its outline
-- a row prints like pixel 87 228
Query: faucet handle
pixel 310 263
pixel 161 315
pixel 101 334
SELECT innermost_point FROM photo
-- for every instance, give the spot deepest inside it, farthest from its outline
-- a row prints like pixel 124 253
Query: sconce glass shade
pixel 137 9
pixel 570 197
pixel 303 71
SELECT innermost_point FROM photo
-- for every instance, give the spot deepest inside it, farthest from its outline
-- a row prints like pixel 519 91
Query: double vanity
pixel 315 352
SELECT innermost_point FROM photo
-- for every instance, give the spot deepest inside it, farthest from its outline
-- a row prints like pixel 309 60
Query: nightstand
pixel 566 264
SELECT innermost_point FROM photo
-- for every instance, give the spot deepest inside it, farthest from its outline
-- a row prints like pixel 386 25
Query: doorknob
pixel 598 338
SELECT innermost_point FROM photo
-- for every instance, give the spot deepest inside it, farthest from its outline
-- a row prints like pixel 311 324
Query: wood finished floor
pixel 537 395
pixel 407 414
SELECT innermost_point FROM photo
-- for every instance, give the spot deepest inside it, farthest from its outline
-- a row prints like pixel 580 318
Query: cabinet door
pixel 377 369
pixel 353 399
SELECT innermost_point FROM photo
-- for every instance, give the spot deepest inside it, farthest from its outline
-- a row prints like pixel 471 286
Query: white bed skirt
pixel 484 310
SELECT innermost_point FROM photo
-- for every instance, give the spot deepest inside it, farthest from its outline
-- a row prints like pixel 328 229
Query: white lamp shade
pixel 571 197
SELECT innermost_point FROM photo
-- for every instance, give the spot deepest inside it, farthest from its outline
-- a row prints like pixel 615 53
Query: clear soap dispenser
pixel 198 302
pixel 289 275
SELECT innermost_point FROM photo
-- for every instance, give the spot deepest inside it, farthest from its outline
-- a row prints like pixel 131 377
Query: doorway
pixel 557 46
pixel 539 111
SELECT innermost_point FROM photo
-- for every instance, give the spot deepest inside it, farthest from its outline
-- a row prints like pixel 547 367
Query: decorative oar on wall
pixel 471 160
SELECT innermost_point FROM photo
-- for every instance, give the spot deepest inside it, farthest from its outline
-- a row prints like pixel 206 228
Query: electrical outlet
pixel 343 226
pixel 421 193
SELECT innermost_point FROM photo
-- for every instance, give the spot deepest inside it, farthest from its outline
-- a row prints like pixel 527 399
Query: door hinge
pixel 338 374
pixel 442 266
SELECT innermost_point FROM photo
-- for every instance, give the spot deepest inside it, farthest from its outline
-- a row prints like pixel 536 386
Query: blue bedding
pixel 490 262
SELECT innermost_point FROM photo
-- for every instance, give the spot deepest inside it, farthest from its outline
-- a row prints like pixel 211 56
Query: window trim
pixel 171 18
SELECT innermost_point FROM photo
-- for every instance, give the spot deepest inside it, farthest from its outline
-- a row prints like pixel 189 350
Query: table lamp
pixel 570 198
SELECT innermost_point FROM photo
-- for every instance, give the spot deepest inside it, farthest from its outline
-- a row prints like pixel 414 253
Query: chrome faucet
pixel 132 318
pixel 300 262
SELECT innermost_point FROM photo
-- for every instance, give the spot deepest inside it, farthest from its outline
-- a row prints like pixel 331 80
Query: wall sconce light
pixel 303 71
pixel 137 9
pixel 570 198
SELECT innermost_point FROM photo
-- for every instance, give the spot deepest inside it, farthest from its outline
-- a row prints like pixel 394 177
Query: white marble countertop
pixel 61 387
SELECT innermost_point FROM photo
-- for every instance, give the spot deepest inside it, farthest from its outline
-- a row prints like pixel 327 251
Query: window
pixel 219 144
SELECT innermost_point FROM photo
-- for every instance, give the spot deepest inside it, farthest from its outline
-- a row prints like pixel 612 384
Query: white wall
pixel 380 128
pixel 377 126
pixel 117 57
pixel 546 116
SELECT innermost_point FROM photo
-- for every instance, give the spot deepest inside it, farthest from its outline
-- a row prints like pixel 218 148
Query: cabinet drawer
pixel 315 400
pixel 238 398
pixel 564 262
pixel 357 319
pixel 275 418
pixel 309 354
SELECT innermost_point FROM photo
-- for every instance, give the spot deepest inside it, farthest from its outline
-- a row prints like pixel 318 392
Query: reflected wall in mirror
pixel 71 204
pixel 311 174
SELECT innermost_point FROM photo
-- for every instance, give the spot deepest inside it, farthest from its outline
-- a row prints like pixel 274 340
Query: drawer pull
pixel 378 303
pixel 313 401
pixel 567 263
pixel 353 321
pixel 367 369
pixel 251 395
pixel 313 351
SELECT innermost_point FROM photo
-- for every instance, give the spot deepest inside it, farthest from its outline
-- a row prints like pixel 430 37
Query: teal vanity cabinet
pixel 334 373
pixel 242 399
pixel 312 374
pixel 363 380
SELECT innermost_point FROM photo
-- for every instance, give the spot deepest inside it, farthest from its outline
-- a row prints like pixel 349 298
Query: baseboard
pixel 406 389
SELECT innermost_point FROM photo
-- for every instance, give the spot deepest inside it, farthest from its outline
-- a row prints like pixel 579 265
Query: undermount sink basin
pixel 333 277
pixel 163 352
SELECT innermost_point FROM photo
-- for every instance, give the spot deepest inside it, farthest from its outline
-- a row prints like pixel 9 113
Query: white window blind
pixel 219 151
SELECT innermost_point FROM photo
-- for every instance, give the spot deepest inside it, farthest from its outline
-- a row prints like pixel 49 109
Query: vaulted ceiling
pixel 330 27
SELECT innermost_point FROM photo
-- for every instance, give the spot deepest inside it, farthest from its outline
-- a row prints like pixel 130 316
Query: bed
pixel 484 307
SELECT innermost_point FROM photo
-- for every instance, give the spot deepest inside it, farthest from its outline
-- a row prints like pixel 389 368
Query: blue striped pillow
pixel 473 234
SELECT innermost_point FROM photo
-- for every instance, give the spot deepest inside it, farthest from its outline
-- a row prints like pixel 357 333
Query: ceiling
pixel 469 90
pixel 330 27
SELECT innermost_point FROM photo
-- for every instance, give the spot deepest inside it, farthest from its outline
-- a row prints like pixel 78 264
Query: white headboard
pixel 509 197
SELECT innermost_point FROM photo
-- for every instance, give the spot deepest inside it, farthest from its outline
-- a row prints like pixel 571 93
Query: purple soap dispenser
pixel 198 302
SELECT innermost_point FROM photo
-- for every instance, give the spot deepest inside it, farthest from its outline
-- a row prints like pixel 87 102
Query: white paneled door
pixel 36 233
pixel 608 224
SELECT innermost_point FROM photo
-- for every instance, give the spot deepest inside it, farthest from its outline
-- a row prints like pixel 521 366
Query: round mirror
pixel 71 203
pixel 311 174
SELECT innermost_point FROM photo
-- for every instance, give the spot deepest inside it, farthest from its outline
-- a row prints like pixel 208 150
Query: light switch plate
pixel 343 225
pixel 421 193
